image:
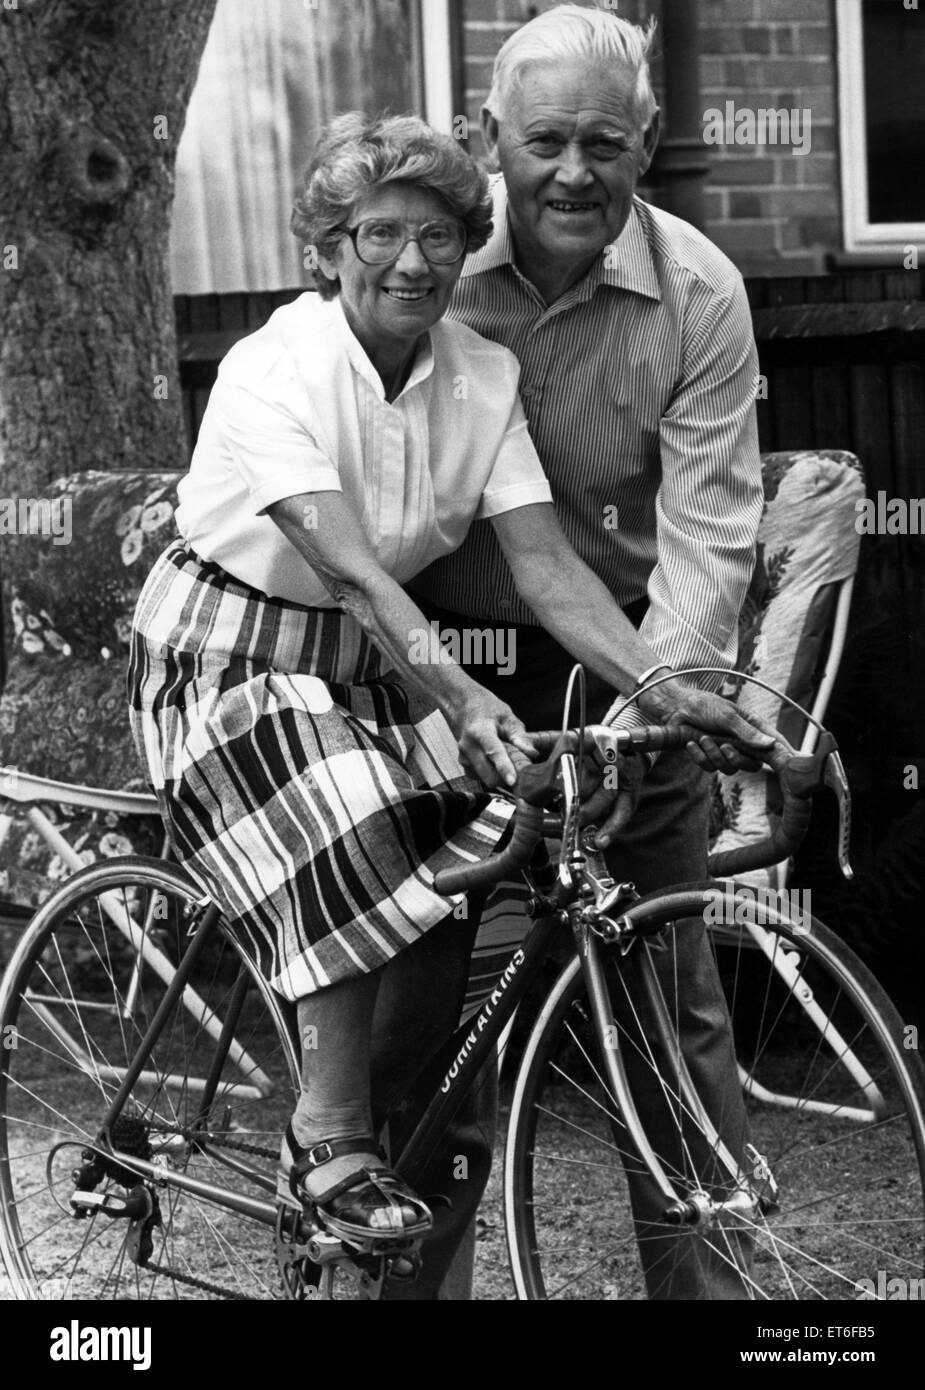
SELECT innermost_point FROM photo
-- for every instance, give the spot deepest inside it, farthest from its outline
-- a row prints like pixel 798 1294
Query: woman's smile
pixel 389 307
pixel 407 296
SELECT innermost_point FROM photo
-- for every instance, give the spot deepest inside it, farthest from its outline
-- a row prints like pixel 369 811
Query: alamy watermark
pixel 736 908
pixel 470 646
pixel 37 516
pixel 743 125
pixel 890 516
pixel 896 1288
pixel 76 1343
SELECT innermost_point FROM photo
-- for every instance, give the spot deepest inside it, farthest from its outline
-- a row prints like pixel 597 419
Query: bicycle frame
pixel 451 1073
pixel 462 1057
pixel 485 1031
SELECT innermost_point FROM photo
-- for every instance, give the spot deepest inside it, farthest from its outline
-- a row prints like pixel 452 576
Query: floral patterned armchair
pixel 792 625
pixel 63 712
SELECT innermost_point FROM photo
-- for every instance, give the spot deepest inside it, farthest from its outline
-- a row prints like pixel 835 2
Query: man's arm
pixel 710 500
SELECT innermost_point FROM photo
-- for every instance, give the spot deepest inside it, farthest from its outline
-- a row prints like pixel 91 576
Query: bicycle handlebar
pixel 786 837
pixel 800 776
pixel 526 834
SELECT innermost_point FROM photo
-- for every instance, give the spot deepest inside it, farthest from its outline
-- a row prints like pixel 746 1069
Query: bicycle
pixel 144 1166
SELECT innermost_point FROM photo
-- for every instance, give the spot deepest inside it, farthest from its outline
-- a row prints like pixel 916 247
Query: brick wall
pixel 772 210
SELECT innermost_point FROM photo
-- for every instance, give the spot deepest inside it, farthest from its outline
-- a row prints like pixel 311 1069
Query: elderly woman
pixel 310 766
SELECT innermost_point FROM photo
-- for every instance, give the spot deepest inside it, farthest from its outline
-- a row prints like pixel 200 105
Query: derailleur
pixel 139 1206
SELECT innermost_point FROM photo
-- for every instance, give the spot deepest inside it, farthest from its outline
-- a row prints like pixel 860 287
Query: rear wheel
pixel 74 1006
pixel 835 1110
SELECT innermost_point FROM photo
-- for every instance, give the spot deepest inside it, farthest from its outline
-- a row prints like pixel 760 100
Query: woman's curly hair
pixel 356 153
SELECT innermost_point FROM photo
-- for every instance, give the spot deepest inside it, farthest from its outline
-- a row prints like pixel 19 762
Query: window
pixel 881 46
pixel 272 73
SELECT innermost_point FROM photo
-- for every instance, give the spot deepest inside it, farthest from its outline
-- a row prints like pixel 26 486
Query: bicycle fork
pixel 751 1196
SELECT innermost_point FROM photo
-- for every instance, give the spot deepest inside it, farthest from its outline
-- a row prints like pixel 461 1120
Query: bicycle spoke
pixel 842 1189
pixel 58 1086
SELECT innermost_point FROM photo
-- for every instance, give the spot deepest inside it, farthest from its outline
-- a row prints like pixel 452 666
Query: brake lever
pixel 836 780
pixel 571 805
pixel 808 773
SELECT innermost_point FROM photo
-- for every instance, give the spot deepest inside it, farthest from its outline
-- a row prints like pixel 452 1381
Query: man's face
pixel 571 154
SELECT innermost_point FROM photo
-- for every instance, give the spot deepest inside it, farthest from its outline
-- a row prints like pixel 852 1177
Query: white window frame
pixel 860 233
pixel 437 62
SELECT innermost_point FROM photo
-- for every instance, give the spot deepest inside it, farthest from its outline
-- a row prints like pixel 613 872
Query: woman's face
pixel 388 307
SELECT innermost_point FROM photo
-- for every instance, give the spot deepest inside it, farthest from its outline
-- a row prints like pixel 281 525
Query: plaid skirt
pixel 311 794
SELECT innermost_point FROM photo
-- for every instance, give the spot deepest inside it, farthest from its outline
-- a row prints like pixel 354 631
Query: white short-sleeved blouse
pixel 298 407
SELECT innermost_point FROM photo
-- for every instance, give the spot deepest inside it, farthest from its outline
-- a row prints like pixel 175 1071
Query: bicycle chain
pixel 229 1295
pixel 242 1146
pixel 211 1137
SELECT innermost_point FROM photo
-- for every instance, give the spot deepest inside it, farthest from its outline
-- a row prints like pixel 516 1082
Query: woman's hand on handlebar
pixel 713 721
pixel 488 732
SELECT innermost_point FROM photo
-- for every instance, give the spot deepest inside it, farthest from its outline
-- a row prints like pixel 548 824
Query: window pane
pixel 273 72
pixel 894 80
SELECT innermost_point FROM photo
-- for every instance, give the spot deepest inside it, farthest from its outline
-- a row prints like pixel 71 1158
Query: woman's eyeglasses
pixel 377 241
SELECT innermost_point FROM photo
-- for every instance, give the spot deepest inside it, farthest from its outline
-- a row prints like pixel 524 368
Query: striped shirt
pixel 639 386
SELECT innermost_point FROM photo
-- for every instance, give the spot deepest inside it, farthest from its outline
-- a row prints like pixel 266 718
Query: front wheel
pixel 834 1103
pixel 217 1084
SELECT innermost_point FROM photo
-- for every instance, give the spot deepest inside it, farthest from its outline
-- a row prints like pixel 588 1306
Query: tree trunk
pixel 93 97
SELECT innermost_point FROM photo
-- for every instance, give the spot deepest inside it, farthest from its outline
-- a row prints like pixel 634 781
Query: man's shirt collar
pixel 627 264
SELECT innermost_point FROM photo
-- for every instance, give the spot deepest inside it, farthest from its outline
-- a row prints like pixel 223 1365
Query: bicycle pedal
pixel 134 1207
pixel 322 1249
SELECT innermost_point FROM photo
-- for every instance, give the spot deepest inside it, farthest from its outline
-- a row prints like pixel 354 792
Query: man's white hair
pixel 572 31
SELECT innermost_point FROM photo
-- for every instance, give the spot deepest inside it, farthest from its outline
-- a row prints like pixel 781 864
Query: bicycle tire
pixel 847 1151
pixel 65 1016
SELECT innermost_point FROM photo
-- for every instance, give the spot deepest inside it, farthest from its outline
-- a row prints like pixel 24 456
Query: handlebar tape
pixel 799 776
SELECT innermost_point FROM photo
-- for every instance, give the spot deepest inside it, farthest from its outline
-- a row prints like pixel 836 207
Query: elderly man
pixel 638 372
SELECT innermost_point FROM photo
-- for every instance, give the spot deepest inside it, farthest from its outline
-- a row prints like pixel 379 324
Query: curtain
pixel 272 73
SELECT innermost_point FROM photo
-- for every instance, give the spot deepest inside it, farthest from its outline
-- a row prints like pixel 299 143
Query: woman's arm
pixel 338 550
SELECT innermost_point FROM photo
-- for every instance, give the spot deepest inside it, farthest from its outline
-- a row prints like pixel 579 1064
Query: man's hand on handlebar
pixel 610 781
pixel 615 804
pixel 709 722
pixel 713 721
